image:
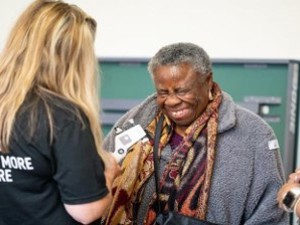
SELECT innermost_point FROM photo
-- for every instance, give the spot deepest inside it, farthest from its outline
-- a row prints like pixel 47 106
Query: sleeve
pixel 79 169
pixel 268 177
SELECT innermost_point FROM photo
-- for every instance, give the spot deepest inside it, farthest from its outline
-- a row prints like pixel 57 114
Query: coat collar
pixel 227 113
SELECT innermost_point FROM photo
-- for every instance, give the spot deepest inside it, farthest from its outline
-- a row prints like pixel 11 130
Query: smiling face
pixel 182 94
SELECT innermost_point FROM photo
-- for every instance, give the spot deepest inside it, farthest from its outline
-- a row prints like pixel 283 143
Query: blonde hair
pixel 50 51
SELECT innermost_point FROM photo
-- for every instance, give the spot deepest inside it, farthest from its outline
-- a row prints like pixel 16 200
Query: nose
pixel 172 99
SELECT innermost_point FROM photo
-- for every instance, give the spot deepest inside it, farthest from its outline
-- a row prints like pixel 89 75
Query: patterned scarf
pixel 185 183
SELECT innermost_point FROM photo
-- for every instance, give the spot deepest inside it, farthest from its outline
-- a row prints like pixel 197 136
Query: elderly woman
pixel 218 161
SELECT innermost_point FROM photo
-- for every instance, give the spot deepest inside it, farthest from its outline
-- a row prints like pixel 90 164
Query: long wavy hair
pixel 50 52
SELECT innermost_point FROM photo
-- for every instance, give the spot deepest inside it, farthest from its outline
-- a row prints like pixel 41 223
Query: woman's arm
pixel 89 212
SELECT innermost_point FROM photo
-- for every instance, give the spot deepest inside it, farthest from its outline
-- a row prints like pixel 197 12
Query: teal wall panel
pixel 125 80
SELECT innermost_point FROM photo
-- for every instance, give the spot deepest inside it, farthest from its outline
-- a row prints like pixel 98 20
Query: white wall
pixel 225 28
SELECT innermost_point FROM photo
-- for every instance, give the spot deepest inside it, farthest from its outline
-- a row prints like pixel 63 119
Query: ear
pixel 209 80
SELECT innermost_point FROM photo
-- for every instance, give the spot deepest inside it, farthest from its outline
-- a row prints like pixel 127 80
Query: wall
pixel 226 29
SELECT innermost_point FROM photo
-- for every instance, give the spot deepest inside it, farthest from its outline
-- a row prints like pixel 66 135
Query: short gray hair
pixel 178 53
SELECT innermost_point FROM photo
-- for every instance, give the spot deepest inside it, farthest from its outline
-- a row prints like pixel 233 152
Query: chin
pixel 182 123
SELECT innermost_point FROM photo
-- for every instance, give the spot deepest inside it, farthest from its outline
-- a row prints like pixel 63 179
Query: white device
pixel 125 139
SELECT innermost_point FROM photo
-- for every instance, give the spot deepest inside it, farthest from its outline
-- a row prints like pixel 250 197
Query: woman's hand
pixel 112 169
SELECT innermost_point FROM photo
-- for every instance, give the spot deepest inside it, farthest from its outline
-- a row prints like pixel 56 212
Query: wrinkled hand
pixel 293 181
pixel 112 168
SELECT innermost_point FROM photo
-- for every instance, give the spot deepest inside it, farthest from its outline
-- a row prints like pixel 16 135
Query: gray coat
pixel 247 172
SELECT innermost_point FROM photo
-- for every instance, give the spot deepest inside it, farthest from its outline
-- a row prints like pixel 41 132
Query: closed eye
pixel 182 92
pixel 162 93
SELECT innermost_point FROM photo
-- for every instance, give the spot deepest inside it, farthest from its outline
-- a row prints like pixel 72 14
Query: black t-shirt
pixel 37 177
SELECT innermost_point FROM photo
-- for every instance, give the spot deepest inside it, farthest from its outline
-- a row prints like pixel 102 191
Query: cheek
pixel 202 97
pixel 201 104
pixel 160 102
pixel 198 103
pixel 193 100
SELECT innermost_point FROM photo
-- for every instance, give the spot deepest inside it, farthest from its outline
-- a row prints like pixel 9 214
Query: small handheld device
pixel 125 139
pixel 291 199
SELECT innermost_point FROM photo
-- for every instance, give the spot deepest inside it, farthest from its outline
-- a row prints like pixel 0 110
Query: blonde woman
pixel 50 169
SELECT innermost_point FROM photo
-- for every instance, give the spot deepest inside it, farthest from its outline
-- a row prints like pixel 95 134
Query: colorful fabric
pixel 175 140
pixel 185 183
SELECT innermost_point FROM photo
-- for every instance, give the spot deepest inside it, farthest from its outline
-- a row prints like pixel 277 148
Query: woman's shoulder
pixel 53 110
pixel 242 120
pixel 65 112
